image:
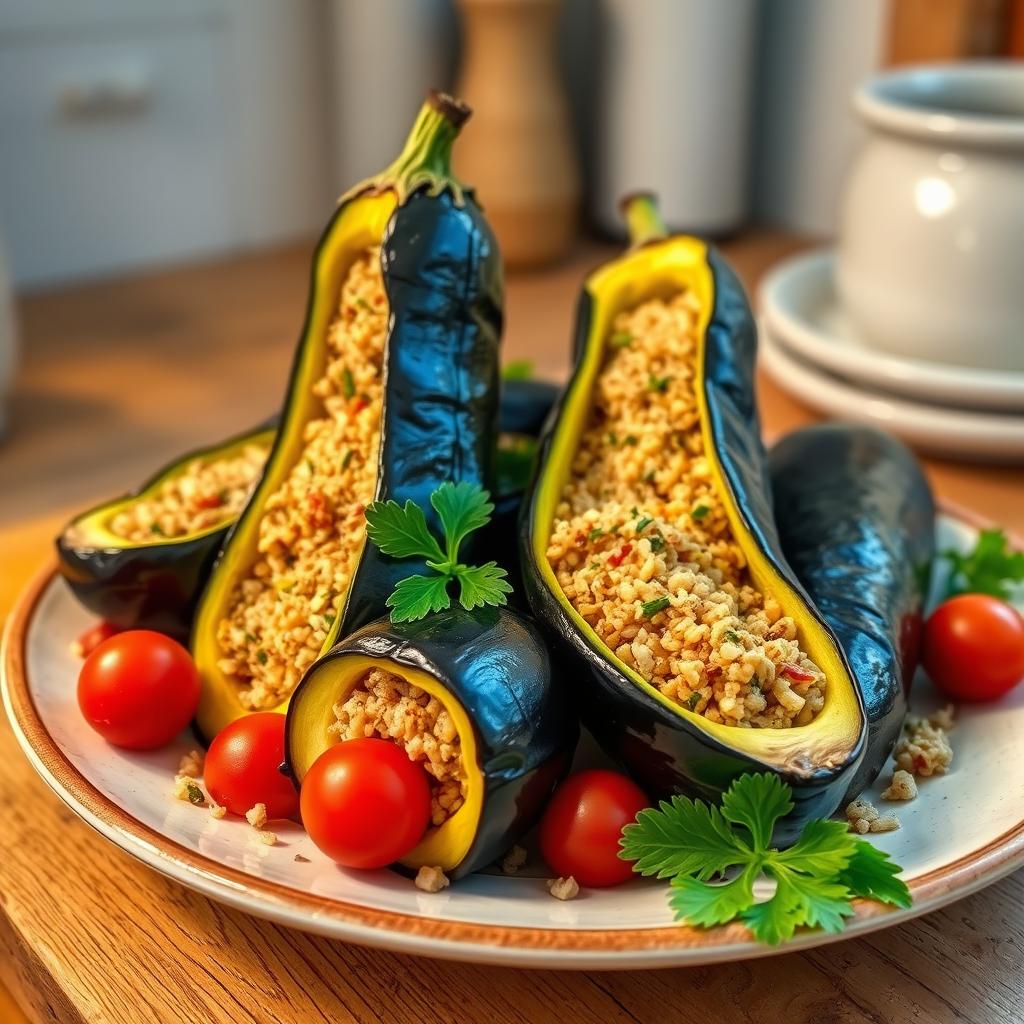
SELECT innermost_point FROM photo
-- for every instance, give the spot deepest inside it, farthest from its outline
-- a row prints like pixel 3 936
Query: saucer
pixel 940 430
pixel 800 309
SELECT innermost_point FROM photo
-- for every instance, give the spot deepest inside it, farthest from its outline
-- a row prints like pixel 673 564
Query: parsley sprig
pixel 690 842
pixel 402 532
pixel 990 568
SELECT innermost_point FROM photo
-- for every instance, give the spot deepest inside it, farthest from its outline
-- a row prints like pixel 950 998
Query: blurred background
pixel 165 169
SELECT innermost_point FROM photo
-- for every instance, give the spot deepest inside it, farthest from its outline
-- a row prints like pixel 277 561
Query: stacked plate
pixel 809 348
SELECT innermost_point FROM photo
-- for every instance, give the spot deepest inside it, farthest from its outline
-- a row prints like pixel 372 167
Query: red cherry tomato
pixel 243 765
pixel 580 830
pixel 974 647
pixel 365 804
pixel 138 689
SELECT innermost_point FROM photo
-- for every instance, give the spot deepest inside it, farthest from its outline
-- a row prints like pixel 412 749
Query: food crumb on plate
pixel 188 789
pixel 924 748
pixel 563 888
pixel 299 859
pixel 257 815
pixel 191 764
pixel 864 817
pixel 216 811
pixel 513 860
pixel 265 837
pixel 902 787
pixel 431 879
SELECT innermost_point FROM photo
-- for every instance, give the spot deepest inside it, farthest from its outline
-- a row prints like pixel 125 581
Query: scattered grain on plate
pixel 944 718
pixel 924 748
pixel 431 879
pixel 563 888
pixel 902 787
pixel 189 790
pixel 191 764
pixel 864 817
pixel 265 837
pixel 257 815
pixel 642 546
pixel 513 860
pixel 216 811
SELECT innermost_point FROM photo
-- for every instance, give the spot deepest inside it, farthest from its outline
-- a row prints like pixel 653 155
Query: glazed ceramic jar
pixel 931 252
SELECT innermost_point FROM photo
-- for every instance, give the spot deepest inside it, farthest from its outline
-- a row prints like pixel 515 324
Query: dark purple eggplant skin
pixel 495 664
pixel 856 519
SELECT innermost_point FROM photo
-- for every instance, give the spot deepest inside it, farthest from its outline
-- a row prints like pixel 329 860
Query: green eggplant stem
pixel 426 157
pixel 643 221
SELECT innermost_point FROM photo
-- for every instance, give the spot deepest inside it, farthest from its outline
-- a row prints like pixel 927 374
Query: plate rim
pixel 511 945
pixel 918 380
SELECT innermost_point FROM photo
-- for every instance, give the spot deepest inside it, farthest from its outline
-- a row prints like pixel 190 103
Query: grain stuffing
pixel 386 705
pixel 864 817
pixel 313 526
pixel 924 748
pixel 431 879
pixel 642 548
pixel 210 491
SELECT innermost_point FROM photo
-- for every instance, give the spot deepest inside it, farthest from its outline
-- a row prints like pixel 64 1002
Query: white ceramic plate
pixel 941 430
pixel 964 831
pixel 799 308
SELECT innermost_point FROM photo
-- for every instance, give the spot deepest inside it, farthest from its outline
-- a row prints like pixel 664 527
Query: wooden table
pixel 121 376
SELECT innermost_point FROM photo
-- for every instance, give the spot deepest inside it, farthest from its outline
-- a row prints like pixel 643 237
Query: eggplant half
pixel 153 582
pixel 664 745
pixel 856 520
pixel 428 406
pixel 490 672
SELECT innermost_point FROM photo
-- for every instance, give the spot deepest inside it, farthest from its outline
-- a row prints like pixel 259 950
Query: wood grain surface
pixel 121 376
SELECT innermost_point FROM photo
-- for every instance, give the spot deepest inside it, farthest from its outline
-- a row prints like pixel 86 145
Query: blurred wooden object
pixel 938 30
pixel 1015 29
pixel 517 150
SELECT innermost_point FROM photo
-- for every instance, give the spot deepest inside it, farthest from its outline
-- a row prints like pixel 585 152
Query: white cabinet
pixel 145 134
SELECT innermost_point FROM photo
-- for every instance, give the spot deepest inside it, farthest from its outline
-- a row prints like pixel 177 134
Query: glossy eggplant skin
pixel 666 748
pixel 856 519
pixel 145 585
pixel 493 662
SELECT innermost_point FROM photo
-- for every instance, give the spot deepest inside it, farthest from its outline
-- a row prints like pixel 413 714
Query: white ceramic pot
pixel 931 240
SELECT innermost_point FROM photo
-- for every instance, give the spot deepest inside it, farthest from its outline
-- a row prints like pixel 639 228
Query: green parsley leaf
pixel 621 339
pixel 692 701
pixel 401 531
pixel 194 793
pixel 658 384
pixel 348 385
pixel 657 542
pixel 649 608
pixel 643 523
pixel 682 837
pixel 613 439
pixel 732 636
pixel 700 512
pixel 417 596
pixel 757 804
pixel 157 529
pixel 518 369
pixel 632 440
pixel 815 879
pixel 347 458
pixel 462 508
pixel 481 585
pixel 261 657
pixel 363 304
pixel 595 533
pixel 872 874
pixel 707 904
pixel 987 569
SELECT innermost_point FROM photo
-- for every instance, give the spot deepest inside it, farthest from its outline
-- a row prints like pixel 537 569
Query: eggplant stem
pixel 426 158
pixel 643 220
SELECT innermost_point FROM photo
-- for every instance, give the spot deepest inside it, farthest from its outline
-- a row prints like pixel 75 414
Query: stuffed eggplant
pixel 393 391
pixel 149 574
pixel 650 551
pixel 469 695
pixel 140 561
pixel 857 524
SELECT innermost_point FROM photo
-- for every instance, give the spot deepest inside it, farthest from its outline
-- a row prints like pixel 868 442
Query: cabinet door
pixel 113 148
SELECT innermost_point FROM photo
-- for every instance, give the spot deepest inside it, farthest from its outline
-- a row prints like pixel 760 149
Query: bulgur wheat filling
pixel 386 705
pixel 210 491
pixel 643 550
pixel 313 526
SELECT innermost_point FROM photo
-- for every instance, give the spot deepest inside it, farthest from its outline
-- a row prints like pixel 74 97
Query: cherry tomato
pixel 138 689
pixel 243 765
pixel 580 830
pixel 92 638
pixel 974 647
pixel 365 804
